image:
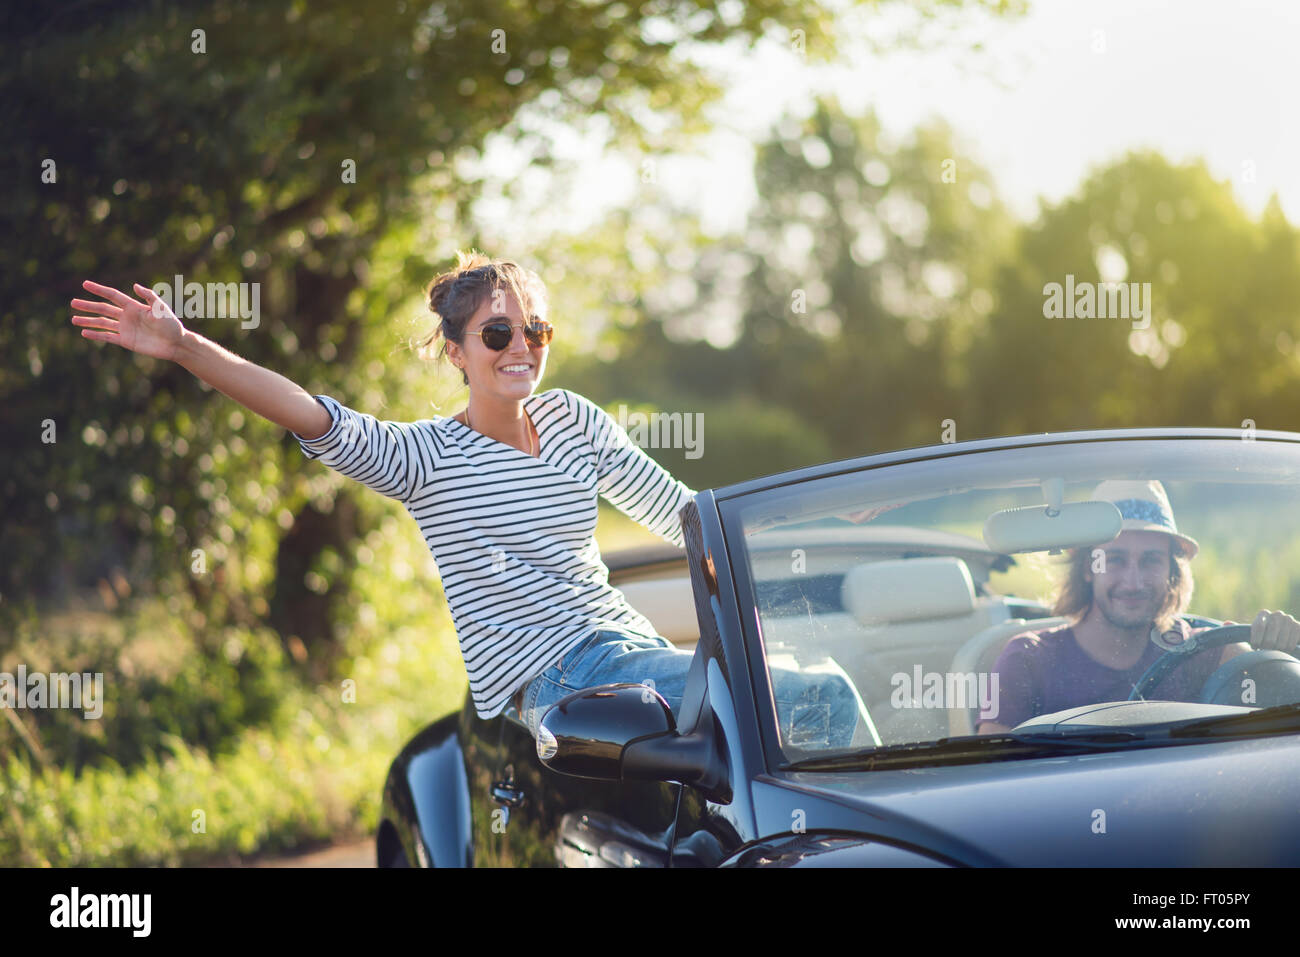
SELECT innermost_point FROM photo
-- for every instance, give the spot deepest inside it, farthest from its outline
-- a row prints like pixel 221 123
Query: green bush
pixel 213 720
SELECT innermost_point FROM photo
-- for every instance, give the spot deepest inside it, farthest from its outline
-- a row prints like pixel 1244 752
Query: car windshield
pixel 1045 590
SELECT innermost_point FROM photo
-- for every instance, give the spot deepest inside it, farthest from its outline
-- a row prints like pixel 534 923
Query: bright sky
pixel 1070 85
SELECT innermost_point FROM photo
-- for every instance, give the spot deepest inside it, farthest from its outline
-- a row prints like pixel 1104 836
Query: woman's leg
pixel 613 658
pixel 815 710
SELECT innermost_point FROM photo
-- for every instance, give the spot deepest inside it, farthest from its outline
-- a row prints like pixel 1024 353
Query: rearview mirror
pixel 1036 528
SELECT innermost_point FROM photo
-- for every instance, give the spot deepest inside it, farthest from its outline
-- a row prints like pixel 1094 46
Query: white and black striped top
pixel 513 534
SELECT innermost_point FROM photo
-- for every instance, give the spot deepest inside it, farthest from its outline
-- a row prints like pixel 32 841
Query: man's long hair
pixel 1075 597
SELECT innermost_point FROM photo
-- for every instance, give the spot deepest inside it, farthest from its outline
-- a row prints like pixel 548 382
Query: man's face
pixel 1135 583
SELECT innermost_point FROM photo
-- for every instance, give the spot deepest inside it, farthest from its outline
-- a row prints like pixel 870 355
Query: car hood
pixel 1224 804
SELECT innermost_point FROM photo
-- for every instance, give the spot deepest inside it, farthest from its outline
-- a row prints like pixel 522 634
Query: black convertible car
pixel 907 574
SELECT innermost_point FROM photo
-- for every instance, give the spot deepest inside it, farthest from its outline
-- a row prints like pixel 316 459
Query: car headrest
pixel 908 589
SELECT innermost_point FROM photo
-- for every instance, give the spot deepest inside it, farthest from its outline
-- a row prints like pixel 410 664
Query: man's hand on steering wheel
pixel 1270 631
pixel 1274 630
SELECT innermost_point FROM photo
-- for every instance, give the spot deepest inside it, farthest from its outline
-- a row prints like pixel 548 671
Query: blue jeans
pixel 815 711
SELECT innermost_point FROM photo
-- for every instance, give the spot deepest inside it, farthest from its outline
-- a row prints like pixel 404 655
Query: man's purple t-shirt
pixel 1047 672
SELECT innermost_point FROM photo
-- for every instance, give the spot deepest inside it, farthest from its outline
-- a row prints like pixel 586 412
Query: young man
pixel 1124 619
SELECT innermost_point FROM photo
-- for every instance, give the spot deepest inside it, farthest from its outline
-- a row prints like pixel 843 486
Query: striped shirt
pixel 513 535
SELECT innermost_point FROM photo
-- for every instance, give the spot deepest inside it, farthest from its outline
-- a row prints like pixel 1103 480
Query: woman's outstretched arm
pixel 152 329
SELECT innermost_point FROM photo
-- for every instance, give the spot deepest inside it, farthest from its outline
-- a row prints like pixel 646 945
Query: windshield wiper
pixel 967 750
pixel 1275 720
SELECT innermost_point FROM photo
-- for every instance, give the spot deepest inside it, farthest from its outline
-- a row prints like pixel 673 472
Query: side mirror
pixel 625 732
pixel 587 733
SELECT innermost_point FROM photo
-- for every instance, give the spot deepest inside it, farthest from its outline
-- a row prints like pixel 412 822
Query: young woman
pixel 504 493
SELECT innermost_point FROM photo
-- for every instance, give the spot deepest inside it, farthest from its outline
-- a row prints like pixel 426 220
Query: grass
pixel 313 771
pixel 309 770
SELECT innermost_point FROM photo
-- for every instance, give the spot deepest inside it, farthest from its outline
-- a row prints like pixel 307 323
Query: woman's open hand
pixel 149 328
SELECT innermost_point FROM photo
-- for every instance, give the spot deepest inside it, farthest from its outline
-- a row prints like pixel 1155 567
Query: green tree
pixel 1222 341
pixel 860 281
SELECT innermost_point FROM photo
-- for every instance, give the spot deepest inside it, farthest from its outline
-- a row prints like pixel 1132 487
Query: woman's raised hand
pixel 149 328
pixel 152 329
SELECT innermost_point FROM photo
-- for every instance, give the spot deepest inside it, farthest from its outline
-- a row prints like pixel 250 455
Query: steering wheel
pixel 1274 674
pixel 1176 657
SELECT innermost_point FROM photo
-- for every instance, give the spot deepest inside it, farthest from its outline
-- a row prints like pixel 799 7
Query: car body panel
pixel 1175 806
pixel 426 801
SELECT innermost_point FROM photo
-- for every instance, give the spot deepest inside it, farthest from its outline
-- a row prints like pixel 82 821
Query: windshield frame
pixel 735 502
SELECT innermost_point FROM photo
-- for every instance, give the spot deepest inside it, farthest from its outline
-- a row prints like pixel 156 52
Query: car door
pixel 540 818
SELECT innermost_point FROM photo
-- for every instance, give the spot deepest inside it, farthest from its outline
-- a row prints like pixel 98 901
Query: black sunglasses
pixel 497 335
